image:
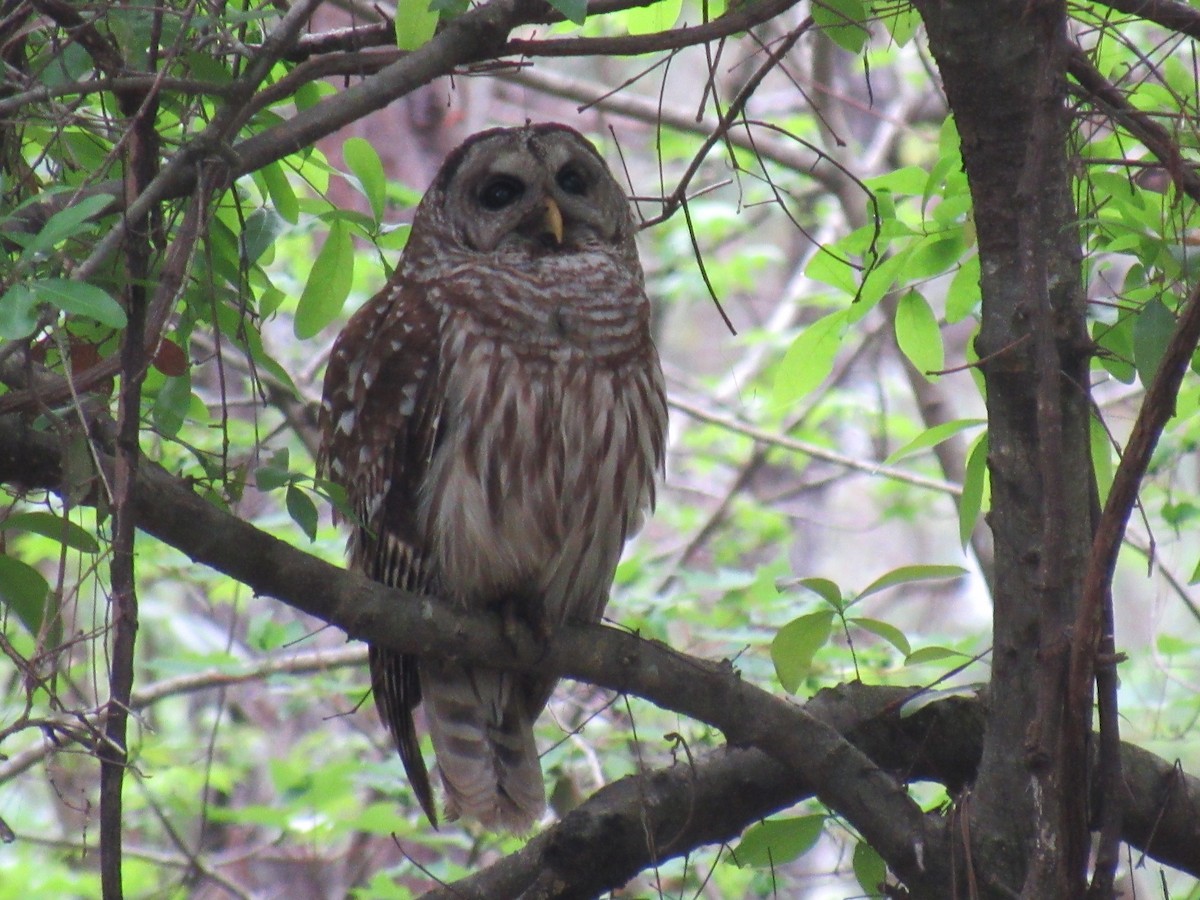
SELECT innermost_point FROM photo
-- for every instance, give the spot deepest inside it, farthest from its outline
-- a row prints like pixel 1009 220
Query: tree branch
pixel 710 692
pixel 1176 16
pixel 1164 813
pixel 70 727
pixel 645 820
pixel 1105 96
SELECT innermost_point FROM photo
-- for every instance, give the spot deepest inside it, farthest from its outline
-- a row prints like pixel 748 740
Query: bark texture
pixel 1007 87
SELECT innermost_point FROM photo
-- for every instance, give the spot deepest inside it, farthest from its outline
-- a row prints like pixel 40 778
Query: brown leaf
pixel 170 359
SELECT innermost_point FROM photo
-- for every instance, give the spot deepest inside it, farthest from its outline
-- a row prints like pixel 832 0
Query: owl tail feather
pixel 482 734
pixel 397 689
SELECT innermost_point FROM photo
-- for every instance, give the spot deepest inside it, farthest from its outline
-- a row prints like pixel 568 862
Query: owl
pixel 497 417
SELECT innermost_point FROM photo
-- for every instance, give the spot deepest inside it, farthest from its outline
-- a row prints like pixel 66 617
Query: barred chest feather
pixel 546 464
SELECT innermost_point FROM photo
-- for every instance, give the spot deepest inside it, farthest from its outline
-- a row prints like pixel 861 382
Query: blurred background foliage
pixel 823 518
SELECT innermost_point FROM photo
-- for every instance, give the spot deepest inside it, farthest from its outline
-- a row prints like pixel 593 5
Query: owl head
pixel 534 191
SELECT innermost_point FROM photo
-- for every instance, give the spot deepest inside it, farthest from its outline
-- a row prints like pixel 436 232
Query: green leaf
pixel 869 869
pixel 824 588
pixel 80 299
pixel 918 334
pixel 810 358
pixel 970 504
pixel 885 630
pixel 337 497
pixel 382 885
pixel 878 280
pixel 833 269
pixel 53 526
pixel 18 313
pixel 656 17
pixel 394 237
pixel 267 634
pixel 1102 457
pixel 1174 645
pixel 910 574
pixel 779 840
pixel 962 297
pixel 935 255
pixel 207 68
pixel 843 21
pixel 171 405
pixel 904 180
pixel 575 10
pixel 307 96
pixel 929 696
pixel 901 21
pixel 263 228
pixel 415 24
pixel 280 191
pixel 1151 332
pixel 933 654
pixel 1116 340
pixel 302 510
pixel 24 591
pixel 931 437
pixel 794 646
pixel 67 223
pixel 328 283
pixel 364 162
pixel 255 350
pixel 271 477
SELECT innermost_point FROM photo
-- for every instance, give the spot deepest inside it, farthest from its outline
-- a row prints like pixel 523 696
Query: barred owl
pixel 497 417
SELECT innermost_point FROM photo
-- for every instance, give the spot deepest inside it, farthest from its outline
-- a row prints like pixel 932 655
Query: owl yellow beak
pixel 552 220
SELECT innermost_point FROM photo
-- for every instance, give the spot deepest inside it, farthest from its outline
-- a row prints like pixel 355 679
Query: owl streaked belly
pixel 547 517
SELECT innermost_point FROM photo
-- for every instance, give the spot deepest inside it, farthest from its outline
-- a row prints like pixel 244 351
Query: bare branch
pixel 738 19
pixel 1168 13
pixel 148 695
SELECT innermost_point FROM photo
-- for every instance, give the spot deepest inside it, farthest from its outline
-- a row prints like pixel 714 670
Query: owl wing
pixel 379 425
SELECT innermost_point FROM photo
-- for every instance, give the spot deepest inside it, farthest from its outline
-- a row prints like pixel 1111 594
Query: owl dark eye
pixel 500 190
pixel 571 180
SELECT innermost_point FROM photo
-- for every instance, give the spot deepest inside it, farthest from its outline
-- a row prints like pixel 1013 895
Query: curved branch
pixel 474 36
pixel 1106 97
pixel 644 820
pixel 1168 13
pixel 479 35
pixel 845 779
pixel 740 18
pixel 808 745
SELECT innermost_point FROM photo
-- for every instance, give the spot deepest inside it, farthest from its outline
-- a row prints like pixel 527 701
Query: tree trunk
pixel 1003 69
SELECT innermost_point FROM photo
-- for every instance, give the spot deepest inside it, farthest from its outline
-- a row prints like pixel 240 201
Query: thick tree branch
pixel 1156 410
pixel 1092 654
pixel 710 692
pixel 479 35
pixel 1163 816
pixel 645 820
pixel 1005 86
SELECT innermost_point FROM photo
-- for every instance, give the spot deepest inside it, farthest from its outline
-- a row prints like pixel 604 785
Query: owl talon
pixel 519 615
pixel 510 626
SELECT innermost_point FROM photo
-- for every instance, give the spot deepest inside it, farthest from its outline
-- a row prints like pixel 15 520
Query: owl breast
pixel 541 471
